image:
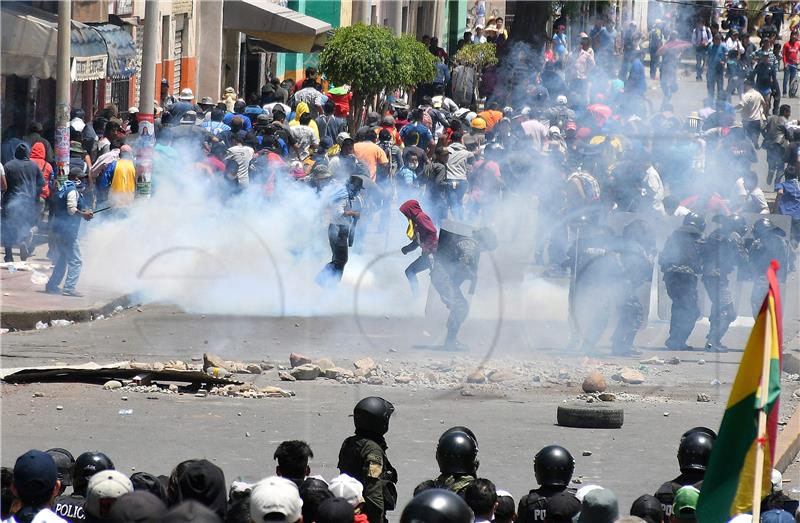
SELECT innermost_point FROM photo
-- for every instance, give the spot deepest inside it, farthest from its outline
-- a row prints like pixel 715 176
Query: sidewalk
pixel 24 302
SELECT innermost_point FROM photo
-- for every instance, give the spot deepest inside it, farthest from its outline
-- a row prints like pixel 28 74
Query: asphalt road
pixel 511 420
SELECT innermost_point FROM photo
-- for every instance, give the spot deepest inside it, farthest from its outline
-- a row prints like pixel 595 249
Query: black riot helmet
pixel 437 506
pixel 64 464
pixel 703 430
pixel 553 466
pixel 87 465
pixel 735 223
pixel 761 226
pixel 461 428
pixel 694 451
pixel 372 415
pixel 456 453
pixel 695 220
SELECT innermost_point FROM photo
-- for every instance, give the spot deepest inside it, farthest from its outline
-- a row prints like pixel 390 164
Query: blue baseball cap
pixel 776 516
pixel 35 476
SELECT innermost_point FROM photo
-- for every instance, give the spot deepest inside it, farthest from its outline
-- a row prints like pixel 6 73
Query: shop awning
pixel 121 51
pixel 282 28
pixel 29 45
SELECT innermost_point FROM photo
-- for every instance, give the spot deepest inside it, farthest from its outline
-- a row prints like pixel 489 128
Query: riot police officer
pixel 681 263
pixel 437 506
pixel 694 451
pixel 553 467
pixel 86 465
pixel 592 266
pixel 723 252
pixel 457 456
pixel 636 264
pixel 363 456
pixel 768 243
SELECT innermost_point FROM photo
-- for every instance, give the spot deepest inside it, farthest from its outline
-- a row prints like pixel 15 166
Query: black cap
pixel 648 508
pixel 202 481
pixel 144 481
pixel 138 507
pixel 35 476
pixel 190 512
pixel 335 510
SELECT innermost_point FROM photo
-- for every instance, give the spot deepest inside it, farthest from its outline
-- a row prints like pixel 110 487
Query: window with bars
pixel 119 94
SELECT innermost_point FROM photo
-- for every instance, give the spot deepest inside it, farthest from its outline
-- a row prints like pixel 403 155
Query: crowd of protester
pixel 38 488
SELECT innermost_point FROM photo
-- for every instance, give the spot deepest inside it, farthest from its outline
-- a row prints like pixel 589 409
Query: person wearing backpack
pixel 69 209
pixel 329 124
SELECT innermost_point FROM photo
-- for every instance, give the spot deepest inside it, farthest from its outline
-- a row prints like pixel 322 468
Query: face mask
pixel 413 165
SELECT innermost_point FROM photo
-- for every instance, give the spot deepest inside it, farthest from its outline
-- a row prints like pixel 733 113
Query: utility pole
pixel 63 80
pixel 146 142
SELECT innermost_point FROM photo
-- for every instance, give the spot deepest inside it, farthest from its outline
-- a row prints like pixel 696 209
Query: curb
pixel 788 444
pixel 26 320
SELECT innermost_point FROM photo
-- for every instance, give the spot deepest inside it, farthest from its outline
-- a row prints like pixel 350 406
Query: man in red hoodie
pixel 422 233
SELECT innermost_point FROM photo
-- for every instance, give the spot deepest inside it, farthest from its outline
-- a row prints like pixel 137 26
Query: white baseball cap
pixel 585 490
pixel 275 496
pixel 349 488
pixel 105 486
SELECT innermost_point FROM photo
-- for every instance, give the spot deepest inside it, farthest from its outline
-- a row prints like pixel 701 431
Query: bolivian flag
pixel 728 485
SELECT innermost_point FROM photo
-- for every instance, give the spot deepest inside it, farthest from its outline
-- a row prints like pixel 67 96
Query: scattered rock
pixel 392 350
pixel 246 434
pixel 674 360
pixel 796 394
pixel 266 366
pixel 173 387
pixel 577 481
pixel 337 373
pixel 715 382
pixel 500 375
pixel 655 360
pixel 701 362
pixel 212 360
pixel 587 452
pixel 563 374
pixel 666 414
pixel 364 363
pixel 296 359
pixel 702 397
pixel 629 376
pixel 362 373
pixel 200 394
pixel 275 392
pixel 124 398
pixel 59 407
pixel 405 379
pixel 606 396
pixel 375 381
pixel 285 376
pixel 38 394
pixel 476 376
pixel 325 364
pixel 253 368
pixel 306 372
pixel 238 413
pixel 112 385
pixel 594 382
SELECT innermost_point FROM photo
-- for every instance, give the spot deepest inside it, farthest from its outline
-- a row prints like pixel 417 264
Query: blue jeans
pixel 455 198
pixel 68 260
pixel 700 62
pixel 789 74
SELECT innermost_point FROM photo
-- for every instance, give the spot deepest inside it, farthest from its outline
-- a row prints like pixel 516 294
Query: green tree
pixel 370 59
pixel 477 55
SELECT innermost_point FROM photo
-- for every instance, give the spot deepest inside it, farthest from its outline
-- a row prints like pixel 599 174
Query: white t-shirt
pixel 43 516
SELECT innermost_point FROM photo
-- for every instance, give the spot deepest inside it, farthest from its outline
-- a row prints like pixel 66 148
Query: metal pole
pixel 146 142
pixel 63 79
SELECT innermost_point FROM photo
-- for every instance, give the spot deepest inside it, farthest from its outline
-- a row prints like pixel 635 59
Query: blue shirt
pixel 230 116
pixel 425 136
pixel 717 53
pixel 789 203
pixel 560 43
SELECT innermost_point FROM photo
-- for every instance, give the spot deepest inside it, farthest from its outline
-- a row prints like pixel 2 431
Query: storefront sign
pixel 88 67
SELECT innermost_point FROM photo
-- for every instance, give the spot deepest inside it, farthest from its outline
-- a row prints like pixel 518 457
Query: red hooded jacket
pixel 424 230
pixel 38 157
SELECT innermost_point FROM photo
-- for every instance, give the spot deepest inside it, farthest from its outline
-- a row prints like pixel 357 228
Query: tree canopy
pixel 477 55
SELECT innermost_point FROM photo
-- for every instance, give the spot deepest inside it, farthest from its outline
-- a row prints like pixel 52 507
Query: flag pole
pixel 763 391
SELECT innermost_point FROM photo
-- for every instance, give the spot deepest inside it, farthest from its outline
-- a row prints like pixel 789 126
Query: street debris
pixel 629 376
pixel 59 407
pixel 587 452
pixel 702 397
pixel 61 323
pixel 112 385
pixel 594 382
pixel 40 325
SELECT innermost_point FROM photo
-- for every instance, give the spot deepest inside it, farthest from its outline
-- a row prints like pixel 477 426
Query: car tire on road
pixel 590 416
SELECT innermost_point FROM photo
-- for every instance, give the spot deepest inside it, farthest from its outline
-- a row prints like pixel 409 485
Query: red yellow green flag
pixel 728 485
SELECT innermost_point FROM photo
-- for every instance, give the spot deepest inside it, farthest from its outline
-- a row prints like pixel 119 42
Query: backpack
pixel 391 152
pixel 589 183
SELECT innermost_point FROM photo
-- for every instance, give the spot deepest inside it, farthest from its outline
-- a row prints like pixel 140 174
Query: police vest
pixel 70 508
